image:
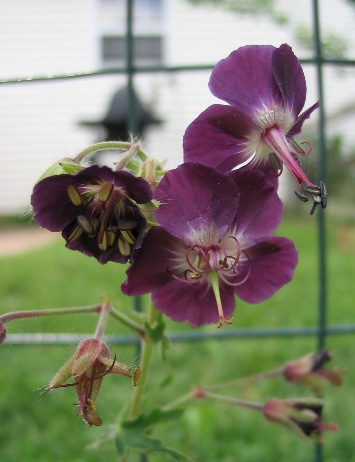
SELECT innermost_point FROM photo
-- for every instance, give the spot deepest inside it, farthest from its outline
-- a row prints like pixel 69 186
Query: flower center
pixel 105 216
pixel 213 265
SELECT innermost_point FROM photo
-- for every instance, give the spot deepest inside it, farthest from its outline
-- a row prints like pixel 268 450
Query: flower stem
pixel 127 321
pixel 134 150
pixel 184 399
pixel 48 312
pixel 104 314
pixel 102 146
pixel 146 356
pixel 230 400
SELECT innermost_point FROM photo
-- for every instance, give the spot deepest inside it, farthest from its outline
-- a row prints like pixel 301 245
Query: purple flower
pixel 266 91
pixel 96 210
pixel 214 242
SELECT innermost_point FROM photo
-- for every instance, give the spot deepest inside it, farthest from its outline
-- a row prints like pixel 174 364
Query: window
pixel 148 44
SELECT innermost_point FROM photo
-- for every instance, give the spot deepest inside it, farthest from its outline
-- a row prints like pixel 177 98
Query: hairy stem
pixel 203 393
pixel 48 312
pixel 104 314
pixel 102 146
pixel 125 320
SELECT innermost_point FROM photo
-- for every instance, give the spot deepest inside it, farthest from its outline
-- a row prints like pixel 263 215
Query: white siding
pixel 39 121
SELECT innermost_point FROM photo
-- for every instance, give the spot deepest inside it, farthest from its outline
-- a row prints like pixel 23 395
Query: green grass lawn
pixel 37 427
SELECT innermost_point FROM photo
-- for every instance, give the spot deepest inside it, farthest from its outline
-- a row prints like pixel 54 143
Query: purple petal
pixel 51 204
pixel 136 188
pixel 260 209
pixel 245 79
pixel 299 122
pixel 272 263
pixel 188 303
pixel 150 268
pixel 193 198
pixel 290 78
pixel 217 138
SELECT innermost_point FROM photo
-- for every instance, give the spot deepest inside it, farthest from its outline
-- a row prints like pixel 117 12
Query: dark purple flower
pixel 214 242
pixel 266 90
pixel 96 210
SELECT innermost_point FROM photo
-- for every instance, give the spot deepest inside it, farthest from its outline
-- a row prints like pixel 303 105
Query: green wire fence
pixel 321 330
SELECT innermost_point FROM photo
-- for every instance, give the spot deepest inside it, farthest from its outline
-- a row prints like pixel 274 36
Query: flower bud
pixel 300 415
pixel 308 370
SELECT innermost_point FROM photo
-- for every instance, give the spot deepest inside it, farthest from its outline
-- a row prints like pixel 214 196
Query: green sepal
pixel 131 435
pixel 150 206
pixel 61 167
pixel 71 167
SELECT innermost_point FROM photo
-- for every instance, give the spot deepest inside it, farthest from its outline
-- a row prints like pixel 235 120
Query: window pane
pixel 147 50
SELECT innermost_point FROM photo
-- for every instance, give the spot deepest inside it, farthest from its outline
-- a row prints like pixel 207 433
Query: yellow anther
pixel 124 247
pixel 103 245
pixel 86 225
pixel 89 414
pixel 127 225
pixel 74 195
pixel 136 376
pixel 195 275
pixel 110 237
pixel 202 264
pixel 76 233
pixel 128 236
pixel 105 192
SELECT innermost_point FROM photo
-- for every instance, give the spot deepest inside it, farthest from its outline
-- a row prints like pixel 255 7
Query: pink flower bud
pixel 308 370
pixel 301 415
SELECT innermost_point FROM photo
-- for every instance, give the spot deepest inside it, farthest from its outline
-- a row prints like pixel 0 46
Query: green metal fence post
pixel 322 293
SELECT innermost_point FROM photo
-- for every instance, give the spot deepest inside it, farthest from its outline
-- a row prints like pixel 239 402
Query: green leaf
pixel 152 445
pixel 132 434
pixel 157 415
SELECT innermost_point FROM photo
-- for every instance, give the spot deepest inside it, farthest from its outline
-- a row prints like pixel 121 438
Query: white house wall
pixel 39 121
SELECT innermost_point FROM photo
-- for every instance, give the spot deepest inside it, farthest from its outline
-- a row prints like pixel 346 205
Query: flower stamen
pixel 74 195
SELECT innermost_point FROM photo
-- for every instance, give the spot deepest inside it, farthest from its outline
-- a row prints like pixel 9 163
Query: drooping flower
pixel 97 210
pixel 87 367
pixel 309 370
pixel 301 415
pixel 265 89
pixel 214 242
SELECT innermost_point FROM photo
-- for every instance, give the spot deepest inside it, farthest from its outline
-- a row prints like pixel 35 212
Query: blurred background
pixel 45 117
